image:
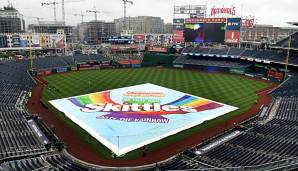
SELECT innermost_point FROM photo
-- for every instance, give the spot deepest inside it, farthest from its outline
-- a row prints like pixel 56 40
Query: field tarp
pixel 128 118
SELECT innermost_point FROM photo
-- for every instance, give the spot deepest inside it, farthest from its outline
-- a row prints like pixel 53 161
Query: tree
pixel 3 55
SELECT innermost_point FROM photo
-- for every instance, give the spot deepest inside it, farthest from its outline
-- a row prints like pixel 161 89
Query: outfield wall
pixel 157 60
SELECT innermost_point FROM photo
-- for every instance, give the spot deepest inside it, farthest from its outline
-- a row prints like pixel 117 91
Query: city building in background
pixel 266 33
pixel 141 24
pixel 53 28
pixel 11 21
pixel 96 32
pixel 168 28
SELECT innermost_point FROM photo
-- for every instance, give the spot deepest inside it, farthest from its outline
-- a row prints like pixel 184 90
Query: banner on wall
pixel 234 24
pixel 178 36
pixel 232 36
pixel 178 27
pixel 57 41
pixel 178 21
pixel 139 37
pixel 205 20
pixel 35 40
pixel 15 39
pixel 43 41
pixel 157 49
pixel 23 41
pixel 3 41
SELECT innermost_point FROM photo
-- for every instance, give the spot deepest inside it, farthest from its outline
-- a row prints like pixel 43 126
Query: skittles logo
pixel 141 106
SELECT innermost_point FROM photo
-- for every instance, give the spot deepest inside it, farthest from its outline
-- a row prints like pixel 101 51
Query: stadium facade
pixel 267 33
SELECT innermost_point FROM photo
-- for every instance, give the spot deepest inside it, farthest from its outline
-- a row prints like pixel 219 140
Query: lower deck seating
pixel 288 88
pixel 208 62
pixel 55 162
pixel 262 143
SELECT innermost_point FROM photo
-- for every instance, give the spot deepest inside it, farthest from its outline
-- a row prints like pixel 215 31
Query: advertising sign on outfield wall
pixel 157 49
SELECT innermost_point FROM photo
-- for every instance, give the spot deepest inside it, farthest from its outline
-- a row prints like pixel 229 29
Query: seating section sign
pixel 128 118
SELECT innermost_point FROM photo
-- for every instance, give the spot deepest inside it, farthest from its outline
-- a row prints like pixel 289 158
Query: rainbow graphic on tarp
pixel 94 98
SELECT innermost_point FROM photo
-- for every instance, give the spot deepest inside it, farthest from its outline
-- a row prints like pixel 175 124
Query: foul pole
pixel 287 57
pixel 30 53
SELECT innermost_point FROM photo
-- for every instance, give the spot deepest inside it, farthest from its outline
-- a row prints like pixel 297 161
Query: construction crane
pixel 54 3
pixel 81 15
pixel 125 18
pixel 63 2
pixel 95 13
pixel 63 11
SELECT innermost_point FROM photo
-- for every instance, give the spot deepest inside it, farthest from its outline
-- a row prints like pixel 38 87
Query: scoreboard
pixel 205 32
pixel 212 30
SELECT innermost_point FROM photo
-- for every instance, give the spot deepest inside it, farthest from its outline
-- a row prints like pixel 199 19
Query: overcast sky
pixel 274 12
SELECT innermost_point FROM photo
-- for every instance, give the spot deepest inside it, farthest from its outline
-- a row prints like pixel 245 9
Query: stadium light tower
pixel 125 18
pixel 54 3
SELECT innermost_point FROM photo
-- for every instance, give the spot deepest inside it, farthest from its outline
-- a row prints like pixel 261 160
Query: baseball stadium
pixel 207 100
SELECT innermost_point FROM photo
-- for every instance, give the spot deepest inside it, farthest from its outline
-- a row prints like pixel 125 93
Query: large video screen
pixel 205 32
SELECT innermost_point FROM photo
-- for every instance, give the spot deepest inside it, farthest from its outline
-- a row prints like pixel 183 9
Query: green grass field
pixel 229 89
